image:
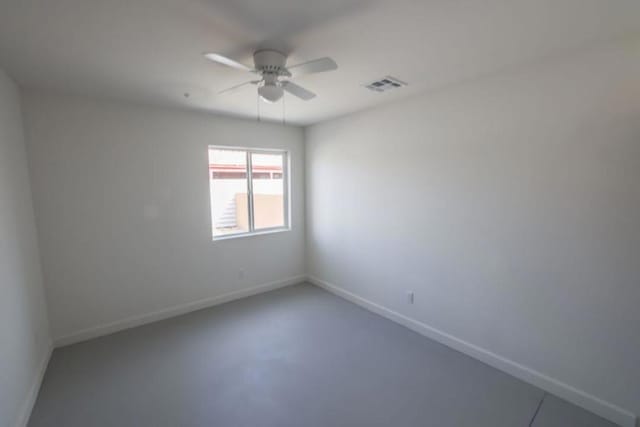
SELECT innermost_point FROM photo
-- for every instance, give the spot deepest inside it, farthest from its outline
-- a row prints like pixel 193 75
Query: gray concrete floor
pixel 295 357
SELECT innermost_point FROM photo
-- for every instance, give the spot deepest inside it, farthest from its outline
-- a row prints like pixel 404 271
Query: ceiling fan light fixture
pixel 271 66
pixel 270 93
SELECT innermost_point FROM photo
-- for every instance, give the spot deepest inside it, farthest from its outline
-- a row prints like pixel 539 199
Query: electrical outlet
pixel 410 297
pixel 241 274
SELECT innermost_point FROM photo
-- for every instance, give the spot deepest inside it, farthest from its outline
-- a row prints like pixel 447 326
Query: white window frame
pixel 286 209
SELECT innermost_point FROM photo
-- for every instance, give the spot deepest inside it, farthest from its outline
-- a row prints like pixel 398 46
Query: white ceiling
pixel 150 51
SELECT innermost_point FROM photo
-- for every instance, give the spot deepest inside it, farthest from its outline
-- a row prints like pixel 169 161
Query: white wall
pixel 510 205
pixel 24 329
pixel 122 202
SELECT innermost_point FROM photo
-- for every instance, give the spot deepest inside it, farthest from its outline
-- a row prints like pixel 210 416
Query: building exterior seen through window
pixel 249 190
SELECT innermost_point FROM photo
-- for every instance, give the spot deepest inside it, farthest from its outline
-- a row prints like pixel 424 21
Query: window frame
pixel 286 208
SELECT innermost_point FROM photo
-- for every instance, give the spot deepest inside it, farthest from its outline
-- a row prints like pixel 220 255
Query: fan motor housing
pixel 270 61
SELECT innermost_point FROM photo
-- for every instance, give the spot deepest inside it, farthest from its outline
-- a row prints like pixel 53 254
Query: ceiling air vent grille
pixel 385 84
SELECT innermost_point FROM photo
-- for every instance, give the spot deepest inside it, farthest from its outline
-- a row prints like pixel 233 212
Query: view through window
pixel 243 202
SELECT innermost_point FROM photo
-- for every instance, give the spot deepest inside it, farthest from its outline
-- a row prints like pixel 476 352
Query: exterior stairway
pixel 228 217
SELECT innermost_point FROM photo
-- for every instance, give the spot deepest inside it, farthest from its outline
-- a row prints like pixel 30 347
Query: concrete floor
pixel 295 357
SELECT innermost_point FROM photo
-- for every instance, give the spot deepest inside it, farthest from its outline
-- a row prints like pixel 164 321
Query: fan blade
pixel 227 61
pixel 298 91
pixel 234 88
pixel 315 66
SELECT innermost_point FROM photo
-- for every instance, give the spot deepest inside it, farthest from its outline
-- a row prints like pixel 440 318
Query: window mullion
pixel 285 189
pixel 250 191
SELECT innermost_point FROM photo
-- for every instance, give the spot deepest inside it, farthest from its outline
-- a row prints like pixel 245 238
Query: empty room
pixel 337 213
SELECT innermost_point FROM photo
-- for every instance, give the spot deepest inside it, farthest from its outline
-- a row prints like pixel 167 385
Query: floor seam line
pixel 535 414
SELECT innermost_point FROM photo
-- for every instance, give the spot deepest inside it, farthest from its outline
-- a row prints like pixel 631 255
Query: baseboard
pixel 168 312
pixel 578 397
pixel 32 395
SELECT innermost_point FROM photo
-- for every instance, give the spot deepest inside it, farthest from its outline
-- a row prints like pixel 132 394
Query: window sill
pixel 251 234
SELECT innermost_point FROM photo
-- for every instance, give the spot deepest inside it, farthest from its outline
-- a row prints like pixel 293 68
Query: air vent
pixel 385 84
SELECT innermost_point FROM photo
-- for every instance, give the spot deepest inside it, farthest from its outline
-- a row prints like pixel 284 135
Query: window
pixel 249 191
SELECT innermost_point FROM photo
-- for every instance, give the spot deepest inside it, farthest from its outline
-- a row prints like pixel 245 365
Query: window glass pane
pixel 268 190
pixel 228 187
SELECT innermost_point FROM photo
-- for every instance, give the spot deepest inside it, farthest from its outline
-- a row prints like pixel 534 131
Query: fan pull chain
pixel 258 106
pixel 283 121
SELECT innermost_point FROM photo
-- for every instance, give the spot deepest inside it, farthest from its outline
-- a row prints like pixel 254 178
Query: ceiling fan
pixel 270 65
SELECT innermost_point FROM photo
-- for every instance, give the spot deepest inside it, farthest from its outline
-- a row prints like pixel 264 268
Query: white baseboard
pixel 578 397
pixel 32 395
pixel 168 312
